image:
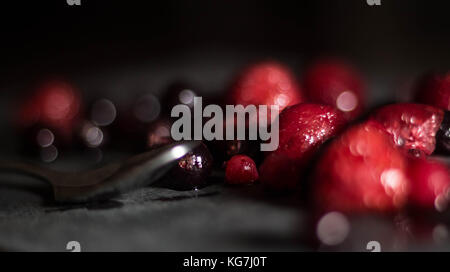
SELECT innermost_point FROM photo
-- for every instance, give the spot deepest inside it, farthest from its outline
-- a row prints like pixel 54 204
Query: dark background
pixel 118 48
pixel 39 37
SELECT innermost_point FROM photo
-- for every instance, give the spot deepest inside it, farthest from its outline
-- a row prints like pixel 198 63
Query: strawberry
pixel 303 128
pixel 411 126
pixel 434 89
pixel 361 171
pixel 336 83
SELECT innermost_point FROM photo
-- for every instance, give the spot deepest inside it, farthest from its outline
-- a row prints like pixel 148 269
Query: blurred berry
pixel 411 126
pixel 430 184
pixel 336 83
pixel 434 90
pixel 361 171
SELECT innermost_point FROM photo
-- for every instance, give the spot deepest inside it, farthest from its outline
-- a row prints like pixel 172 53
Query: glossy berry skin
pixel 336 83
pixel 53 105
pixel 303 128
pixel 241 169
pixel 361 171
pixel 191 171
pixel 411 126
pixel 430 184
pixel 224 150
pixel 434 90
pixel 265 83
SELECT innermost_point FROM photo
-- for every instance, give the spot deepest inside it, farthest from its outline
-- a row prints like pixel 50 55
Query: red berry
pixel 54 105
pixel 430 184
pixel 335 83
pixel 411 126
pixel 362 171
pixel 265 83
pixel 241 169
pixel 303 128
pixel 223 150
pixel 434 90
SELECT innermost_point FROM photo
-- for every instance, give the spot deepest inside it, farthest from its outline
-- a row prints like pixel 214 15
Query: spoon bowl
pixel 107 181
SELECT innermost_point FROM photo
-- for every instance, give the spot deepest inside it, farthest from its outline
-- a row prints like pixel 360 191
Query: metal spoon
pixel 109 180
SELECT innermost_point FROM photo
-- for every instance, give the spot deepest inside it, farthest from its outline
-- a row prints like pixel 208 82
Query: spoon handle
pixel 26 169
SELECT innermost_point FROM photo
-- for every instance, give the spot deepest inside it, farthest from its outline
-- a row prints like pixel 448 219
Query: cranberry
pixel 361 171
pixel 336 83
pixel 434 89
pixel 135 120
pixel 241 169
pixel 265 83
pixel 430 184
pixel 225 149
pixel 54 105
pixel 191 171
pixel 47 119
pixel 303 128
pixel 411 126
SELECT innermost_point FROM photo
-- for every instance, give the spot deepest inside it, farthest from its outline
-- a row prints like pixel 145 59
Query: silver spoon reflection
pixel 109 180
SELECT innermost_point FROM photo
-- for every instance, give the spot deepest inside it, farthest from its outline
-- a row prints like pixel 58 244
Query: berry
pixel 265 83
pixel 191 171
pixel 54 105
pixel 223 150
pixel 303 128
pixel 430 184
pixel 335 83
pixel 361 171
pixel 434 89
pixel 411 126
pixel 241 169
